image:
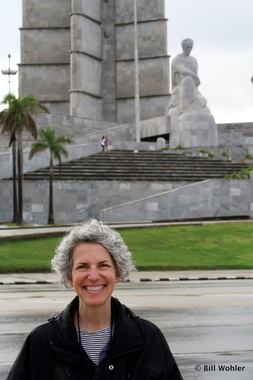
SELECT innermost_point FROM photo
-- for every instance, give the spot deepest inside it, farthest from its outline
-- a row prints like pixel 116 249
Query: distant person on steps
pixel 102 143
pixel 106 143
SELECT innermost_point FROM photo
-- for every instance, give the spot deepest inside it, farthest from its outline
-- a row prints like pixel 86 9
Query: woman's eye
pixel 105 265
pixel 82 267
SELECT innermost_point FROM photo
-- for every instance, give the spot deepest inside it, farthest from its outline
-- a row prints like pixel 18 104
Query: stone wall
pixel 153 74
pixel 108 85
pixel 152 40
pixel 89 8
pixel 210 198
pixel 44 14
pixel 115 201
pixel 39 46
pixel 147 9
pixel 57 87
pixel 153 60
pixel 86 60
pixel 45 45
pixel 126 107
pixel 74 126
pixel 73 201
pixel 235 134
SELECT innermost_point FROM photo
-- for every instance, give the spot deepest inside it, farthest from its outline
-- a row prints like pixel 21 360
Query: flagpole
pixel 136 64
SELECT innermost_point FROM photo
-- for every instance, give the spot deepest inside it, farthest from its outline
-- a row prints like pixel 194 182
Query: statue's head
pixel 187 45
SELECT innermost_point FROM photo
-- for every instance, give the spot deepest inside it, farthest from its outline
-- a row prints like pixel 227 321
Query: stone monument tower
pixel 77 57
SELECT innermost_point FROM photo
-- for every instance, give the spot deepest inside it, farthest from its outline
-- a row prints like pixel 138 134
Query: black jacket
pixel 139 351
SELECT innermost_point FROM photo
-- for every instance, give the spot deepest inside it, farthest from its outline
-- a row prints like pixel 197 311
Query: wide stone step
pixel 157 178
pixel 179 176
pixel 147 168
pixel 88 171
pixel 218 166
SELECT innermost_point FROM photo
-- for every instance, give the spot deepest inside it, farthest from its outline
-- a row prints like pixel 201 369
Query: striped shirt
pixel 96 343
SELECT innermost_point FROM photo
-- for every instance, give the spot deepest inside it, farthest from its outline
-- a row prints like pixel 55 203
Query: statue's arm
pixel 178 66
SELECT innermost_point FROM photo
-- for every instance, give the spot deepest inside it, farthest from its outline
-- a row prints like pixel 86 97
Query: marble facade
pixel 210 198
pixel 118 201
pixel 74 201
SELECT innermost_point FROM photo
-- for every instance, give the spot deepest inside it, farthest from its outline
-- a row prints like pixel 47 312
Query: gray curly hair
pixel 92 231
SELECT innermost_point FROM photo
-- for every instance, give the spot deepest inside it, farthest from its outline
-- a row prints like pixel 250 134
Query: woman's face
pixel 93 274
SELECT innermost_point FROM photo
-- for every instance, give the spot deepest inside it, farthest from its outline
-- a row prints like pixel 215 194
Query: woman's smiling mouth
pixel 94 288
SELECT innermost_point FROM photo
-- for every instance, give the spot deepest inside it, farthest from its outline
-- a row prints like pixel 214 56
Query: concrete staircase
pixel 122 165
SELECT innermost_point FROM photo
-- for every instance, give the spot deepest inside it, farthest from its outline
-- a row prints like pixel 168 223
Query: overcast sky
pixel 223 47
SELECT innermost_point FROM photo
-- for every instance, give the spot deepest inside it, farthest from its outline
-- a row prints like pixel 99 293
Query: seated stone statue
pixel 185 81
pixel 190 120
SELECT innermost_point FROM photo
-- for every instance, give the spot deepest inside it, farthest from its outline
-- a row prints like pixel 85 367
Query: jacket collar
pixel 127 337
pixel 63 338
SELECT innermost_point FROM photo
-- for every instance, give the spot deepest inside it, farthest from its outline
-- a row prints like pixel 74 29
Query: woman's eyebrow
pixel 100 262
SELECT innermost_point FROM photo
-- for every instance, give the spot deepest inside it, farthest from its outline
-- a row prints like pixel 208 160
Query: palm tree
pixel 55 144
pixel 14 120
pixel 13 144
pixel 14 181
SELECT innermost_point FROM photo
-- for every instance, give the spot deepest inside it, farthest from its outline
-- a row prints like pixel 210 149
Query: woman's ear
pixel 117 279
pixel 70 281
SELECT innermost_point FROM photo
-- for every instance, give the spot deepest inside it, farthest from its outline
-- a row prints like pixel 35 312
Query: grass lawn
pixel 218 246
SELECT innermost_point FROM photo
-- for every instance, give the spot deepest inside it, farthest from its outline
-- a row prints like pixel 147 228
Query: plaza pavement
pixel 10 233
pixel 49 278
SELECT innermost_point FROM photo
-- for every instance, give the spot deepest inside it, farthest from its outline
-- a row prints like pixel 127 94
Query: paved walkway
pixel 6 231
pixel 50 278
pixel 139 276
pixel 12 232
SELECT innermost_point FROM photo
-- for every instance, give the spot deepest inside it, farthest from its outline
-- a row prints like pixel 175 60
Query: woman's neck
pixel 92 318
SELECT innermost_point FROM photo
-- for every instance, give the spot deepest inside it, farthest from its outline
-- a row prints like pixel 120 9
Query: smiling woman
pixel 95 336
pixel 93 278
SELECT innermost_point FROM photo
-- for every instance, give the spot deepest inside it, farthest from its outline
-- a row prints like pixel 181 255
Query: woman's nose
pixel 94 274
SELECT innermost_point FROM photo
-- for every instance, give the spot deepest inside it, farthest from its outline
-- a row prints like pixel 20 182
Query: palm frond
pixel 30 125
pixel 36 147
pixel 49 140
pixel 12 139
pixel 18 114
pixel 32 105
pixel 8 99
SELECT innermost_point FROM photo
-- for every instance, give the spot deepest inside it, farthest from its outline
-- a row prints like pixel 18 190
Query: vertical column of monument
pixel 86 59
pixel 109 105
pixel 44 70
pixel 153 59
